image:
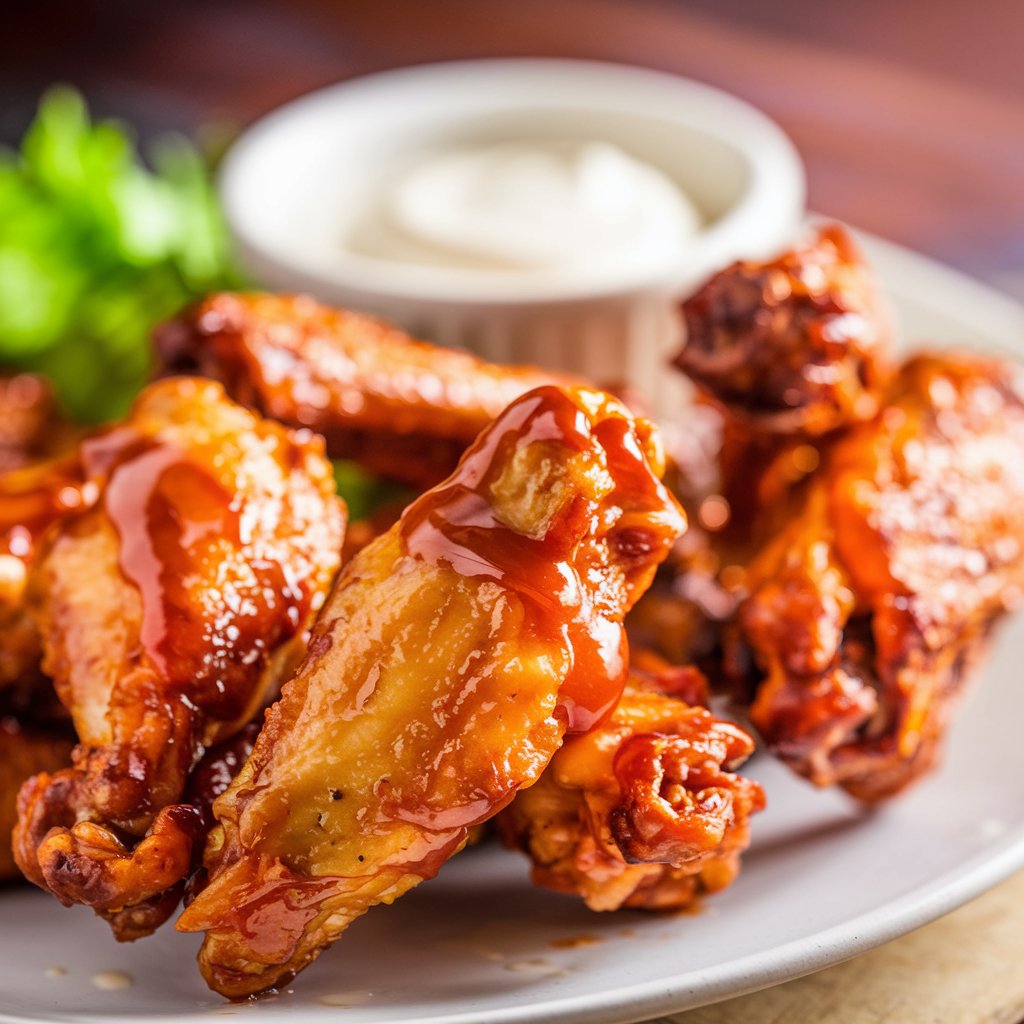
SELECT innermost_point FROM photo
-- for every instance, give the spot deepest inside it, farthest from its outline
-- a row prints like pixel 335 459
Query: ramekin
pixel 287 172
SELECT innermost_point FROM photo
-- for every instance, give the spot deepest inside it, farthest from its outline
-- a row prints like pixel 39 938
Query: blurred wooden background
pixel 909 113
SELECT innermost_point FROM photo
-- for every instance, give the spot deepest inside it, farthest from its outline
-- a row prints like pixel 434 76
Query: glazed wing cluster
pixel 453 655
pixel 873 534
pixel 175 582
pixel 867 611
pixel 286 744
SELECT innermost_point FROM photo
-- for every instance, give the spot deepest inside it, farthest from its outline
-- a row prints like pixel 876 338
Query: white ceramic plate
pixel 823 881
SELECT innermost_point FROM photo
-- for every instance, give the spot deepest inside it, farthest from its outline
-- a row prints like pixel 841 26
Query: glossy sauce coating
pixel 456 524
pixel 168 606
pixel 432 688
pixel 402 408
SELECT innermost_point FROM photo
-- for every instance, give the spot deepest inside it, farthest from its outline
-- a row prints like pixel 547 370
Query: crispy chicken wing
pixel 799 345
pixel 785 355
pixel 454 653
pixel 868 608
pixel 403 409
pixel 167 606
pixel 644 810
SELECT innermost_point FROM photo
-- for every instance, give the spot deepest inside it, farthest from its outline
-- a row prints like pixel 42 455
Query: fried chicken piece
pixel 24 751
pixel 403 409
pixel 168 607
pixel 645 809
pixel 867 610
pixel 454 653
pixel 785 356
pixel 799 345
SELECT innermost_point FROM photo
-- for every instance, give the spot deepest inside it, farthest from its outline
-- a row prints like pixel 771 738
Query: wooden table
pixel 909 115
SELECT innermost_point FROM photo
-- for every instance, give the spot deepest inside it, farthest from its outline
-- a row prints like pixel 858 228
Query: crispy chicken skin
pixel 403 409
pixel 167 606
pixel 454 653
pixel 785 355
pixel 798 345
pixel 644 810
pixel 24 751
pixel 868 608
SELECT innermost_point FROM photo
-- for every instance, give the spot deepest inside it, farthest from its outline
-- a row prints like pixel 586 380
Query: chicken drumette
pixel 798 345
pixel 168 605
pixel 454 654
pixel 402 408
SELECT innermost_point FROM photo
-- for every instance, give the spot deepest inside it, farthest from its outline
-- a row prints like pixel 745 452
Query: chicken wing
pixel 454 653
pixel 867 610
pixel 644 810
pixel 403 409
pixel 799 345
pixel 167 607
pixel 786 355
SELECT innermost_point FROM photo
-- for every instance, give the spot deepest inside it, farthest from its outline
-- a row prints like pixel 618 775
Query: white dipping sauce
pixel 576 210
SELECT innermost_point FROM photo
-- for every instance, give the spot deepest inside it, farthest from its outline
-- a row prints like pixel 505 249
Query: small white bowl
pixel 294 177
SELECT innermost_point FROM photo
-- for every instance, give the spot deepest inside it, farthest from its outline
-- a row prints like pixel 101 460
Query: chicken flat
pixel 453 655
pixel 167 606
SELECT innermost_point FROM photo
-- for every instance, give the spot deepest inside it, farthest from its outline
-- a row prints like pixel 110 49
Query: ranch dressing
pixel 571 210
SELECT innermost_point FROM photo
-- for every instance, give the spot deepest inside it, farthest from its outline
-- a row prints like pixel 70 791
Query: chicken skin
pixel 453 655
pixel 785 356
pixel 167 606
pixel 799 345
pixel 867 610
pixel 645 809
pixel 403 409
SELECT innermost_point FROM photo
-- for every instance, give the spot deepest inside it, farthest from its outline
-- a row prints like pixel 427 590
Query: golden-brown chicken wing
pixel 403 409
pixel 868 608
pixel 644 810
pixel 785 355
pixel 452 656
pixel 796 345
pixel 166 608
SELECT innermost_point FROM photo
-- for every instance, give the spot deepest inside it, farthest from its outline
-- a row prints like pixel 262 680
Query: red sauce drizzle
pixel 165 509
pixel 455 525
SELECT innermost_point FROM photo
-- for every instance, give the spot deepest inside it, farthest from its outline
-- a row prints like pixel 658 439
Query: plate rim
pixel 910 276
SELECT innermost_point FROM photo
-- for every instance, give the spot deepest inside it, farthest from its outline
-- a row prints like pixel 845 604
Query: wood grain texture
pixel 965 968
